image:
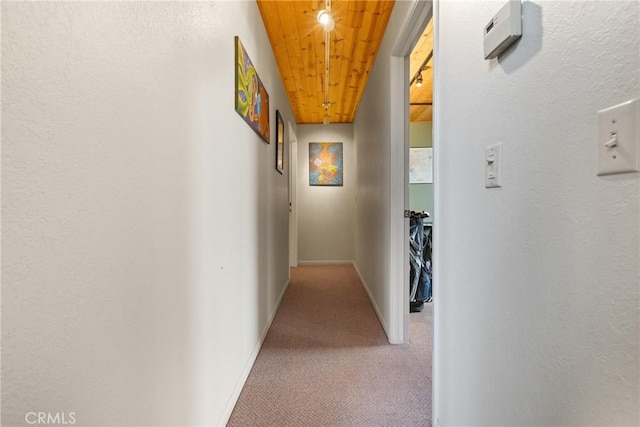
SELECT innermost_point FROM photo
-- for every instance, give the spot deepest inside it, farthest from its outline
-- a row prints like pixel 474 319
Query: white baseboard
pixel 334 262
pixel 381 318
pixel 224 419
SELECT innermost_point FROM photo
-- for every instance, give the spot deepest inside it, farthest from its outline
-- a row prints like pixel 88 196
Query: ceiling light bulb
pixel 323 17
pixel 326 20
pixel 419 80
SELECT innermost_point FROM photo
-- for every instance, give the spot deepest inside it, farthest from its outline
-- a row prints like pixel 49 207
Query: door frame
pixel 419 14
pixel 293 205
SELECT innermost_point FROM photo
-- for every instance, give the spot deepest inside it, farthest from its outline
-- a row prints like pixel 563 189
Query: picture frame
pixel 279 143
pixel 251 97
pixel 325 164
pixel 421 165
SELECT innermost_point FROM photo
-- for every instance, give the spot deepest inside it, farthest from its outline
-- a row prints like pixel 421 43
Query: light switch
pixel 493 166
pixel 619 138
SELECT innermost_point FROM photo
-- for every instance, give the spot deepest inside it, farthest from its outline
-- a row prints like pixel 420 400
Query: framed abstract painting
pixel 279 143
pixel 251 98
pixel 325 163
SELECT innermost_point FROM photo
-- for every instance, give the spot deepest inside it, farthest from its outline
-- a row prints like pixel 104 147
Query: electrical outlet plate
pixel 619 138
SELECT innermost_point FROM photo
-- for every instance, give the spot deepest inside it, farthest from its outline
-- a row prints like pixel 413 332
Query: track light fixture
pixel 417 77
pixel 326 20
pixel 325 119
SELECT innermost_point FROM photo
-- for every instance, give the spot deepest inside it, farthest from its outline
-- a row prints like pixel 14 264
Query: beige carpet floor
pixel 326 361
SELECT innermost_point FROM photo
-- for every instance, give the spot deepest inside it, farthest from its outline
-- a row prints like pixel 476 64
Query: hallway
pixel 326 360
pixel 145 224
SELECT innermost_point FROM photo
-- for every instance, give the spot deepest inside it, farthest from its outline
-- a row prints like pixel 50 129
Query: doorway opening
pixel 420 19
pixel 421 174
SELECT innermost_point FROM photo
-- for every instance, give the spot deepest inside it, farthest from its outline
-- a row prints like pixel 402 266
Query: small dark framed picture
pixel 279 143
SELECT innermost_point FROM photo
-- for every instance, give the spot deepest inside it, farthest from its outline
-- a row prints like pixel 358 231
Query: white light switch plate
pixel 619 138
pixel 493 166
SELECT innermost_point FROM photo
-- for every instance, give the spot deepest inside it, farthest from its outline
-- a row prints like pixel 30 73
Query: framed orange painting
pixel 325 163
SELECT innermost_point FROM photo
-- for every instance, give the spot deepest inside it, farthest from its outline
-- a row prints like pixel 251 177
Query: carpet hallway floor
pixel 326 361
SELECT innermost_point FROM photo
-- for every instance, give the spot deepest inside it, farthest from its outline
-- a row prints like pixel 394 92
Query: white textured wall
pixel 372 133
pixel 326 215
pixel 537 284
pixel 144 224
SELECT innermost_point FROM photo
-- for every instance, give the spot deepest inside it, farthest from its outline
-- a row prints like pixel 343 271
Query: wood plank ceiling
pixel 298 43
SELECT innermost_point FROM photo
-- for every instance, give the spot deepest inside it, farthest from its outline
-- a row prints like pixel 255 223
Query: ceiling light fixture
pixel 419 79
pixel 423 67
pixel 326 20
pixel 325 119
pixel 327 41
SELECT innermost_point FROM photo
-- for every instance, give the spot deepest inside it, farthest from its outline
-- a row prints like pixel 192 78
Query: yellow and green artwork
pixel 252 99
pixel 325 163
